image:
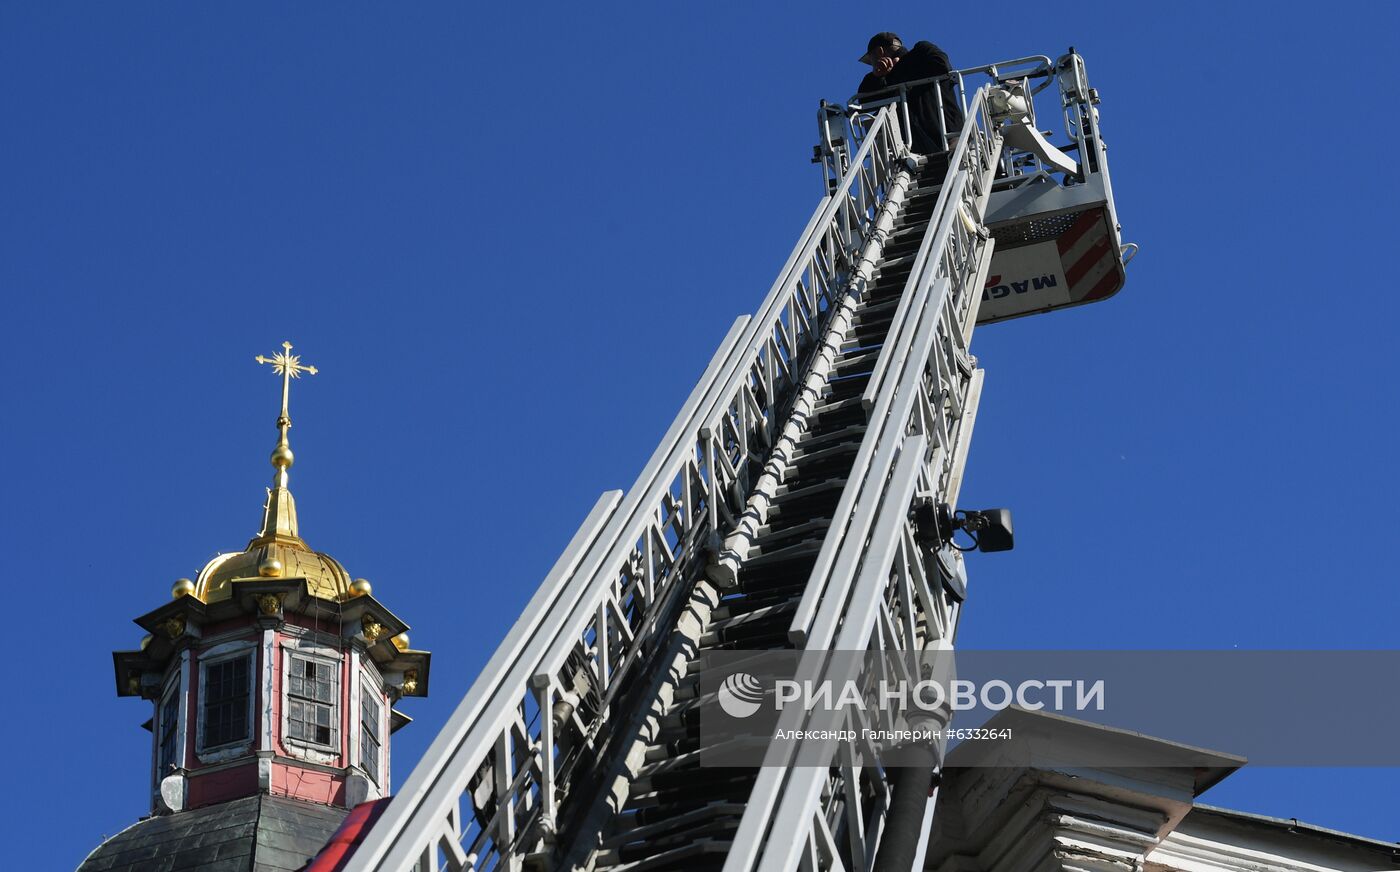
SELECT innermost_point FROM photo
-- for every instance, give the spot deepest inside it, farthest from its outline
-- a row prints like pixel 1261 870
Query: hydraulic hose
pixel 904 822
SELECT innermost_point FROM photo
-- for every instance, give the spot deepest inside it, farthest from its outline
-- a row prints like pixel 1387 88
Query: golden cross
pixel 288 366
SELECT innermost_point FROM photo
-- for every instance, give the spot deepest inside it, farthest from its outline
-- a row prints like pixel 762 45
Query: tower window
pixel 226 698
pixel 312 697
pixel 370 742
pixel 169 723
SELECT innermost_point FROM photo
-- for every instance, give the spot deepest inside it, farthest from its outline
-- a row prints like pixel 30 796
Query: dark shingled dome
pixel 254 834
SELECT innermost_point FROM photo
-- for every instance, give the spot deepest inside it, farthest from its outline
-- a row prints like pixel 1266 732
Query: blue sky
pixel 511 237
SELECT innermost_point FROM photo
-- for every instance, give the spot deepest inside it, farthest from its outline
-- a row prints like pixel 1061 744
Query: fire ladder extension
pixel 776 514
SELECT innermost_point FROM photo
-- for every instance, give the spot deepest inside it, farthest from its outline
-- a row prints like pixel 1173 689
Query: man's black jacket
pixel 924 61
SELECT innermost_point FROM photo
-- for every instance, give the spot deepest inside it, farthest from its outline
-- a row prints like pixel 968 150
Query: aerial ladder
pixel 803 499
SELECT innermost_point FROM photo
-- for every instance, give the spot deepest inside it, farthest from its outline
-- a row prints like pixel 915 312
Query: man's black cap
pixel 880 40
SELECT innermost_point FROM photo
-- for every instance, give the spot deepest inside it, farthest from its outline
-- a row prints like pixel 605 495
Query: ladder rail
pixel 772 784
pixel 929 396
pixel 973 161
pixel 618 570
pixel 800 807
pixel 891 571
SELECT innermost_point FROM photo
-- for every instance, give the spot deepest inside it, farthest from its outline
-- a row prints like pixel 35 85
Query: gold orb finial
pixel 360 587
pixel 400 641
pixel 282 457
pixel 182 587
pixel 270 568
pixel 146 640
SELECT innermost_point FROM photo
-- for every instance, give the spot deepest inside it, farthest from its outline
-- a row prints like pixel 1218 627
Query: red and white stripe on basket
pixel 1090 263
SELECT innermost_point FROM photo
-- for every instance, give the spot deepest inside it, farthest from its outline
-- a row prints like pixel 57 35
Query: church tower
pixel 272 679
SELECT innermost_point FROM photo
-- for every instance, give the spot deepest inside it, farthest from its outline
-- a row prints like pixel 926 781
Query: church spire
pixel 272 677
pixel 280 513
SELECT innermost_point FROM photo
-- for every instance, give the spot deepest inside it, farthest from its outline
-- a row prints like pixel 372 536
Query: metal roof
pixel 253 834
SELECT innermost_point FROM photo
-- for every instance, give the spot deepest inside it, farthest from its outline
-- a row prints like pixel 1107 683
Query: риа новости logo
pixel 740 695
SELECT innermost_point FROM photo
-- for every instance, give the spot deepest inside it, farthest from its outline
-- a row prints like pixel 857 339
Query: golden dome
pixel 278 551
pixel 324 575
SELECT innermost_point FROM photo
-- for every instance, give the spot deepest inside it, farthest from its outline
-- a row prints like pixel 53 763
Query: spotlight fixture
pixel 989 529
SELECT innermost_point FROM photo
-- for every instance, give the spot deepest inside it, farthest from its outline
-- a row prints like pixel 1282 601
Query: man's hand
pixel 883 65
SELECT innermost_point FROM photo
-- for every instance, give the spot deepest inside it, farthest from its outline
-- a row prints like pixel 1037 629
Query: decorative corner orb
pixel 182 587
pixel 146 640
pixel 282 457
pixel 270 568
pixel 360 587
pixel 400 641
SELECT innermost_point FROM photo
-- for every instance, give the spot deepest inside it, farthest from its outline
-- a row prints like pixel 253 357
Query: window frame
pixel 317 751
pixel 370 695
pixel 217 656
pixel 172 695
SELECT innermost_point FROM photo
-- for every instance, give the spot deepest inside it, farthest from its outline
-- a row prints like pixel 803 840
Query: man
pixel 893 65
